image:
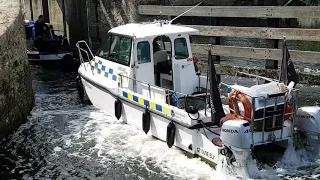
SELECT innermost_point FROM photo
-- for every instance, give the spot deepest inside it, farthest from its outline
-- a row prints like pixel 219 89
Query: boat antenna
pixel 184 13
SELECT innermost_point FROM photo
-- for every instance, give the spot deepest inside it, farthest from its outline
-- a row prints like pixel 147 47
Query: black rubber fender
pixel 118 108
pixel 146 119
pixel 80 89
pixel 171 132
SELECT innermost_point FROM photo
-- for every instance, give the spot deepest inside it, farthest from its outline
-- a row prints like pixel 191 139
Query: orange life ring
pixel 245 102
pixel 288 109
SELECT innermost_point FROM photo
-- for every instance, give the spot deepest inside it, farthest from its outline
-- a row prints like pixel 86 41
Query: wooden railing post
pixel 216 41
pixel 272 43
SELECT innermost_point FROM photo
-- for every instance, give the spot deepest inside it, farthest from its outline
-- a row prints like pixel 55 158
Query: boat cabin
pixel 156 53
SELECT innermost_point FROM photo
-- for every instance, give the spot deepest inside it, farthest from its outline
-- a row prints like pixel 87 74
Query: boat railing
pixel 257 77
pixel 170 95
pixel 258 124
pixel 80 50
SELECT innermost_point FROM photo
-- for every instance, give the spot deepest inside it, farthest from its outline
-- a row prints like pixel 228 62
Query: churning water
pixel 64 139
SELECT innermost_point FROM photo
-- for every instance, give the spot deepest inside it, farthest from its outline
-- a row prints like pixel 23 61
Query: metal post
pixel 121 83
pixel 149 89
pixel 88 26
pixel 294 111
pixel 64 18
pixel 264 118
pixel 31 9
pixel 284 113
pixel 252 119
pixel 96 6
pixel 45 9
pixel 236 77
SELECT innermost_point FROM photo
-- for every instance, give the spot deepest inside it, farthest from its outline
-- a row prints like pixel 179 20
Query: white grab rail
pixel 83 50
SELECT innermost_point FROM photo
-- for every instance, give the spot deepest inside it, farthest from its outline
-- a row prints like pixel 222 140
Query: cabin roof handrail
pixel 146 83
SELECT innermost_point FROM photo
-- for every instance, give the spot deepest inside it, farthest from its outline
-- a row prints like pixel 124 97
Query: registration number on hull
pixel 205 153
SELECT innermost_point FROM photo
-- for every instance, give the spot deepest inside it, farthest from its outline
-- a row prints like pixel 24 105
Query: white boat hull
pixel 132 114
pixel 192 141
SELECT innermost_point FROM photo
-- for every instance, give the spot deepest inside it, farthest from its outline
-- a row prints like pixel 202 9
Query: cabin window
pixel 181 48
pixel 162 43
pixel 143 52
pixel 104 49
pixel 117 48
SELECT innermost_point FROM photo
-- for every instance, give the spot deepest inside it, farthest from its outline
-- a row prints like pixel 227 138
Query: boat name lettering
pixel 172 113
pixel 205 153
pixel 305 116
pixel 247 131
pixel 230 130
pixel 121 69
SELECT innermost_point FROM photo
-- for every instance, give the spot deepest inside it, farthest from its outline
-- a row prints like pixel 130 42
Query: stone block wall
pixel 16 94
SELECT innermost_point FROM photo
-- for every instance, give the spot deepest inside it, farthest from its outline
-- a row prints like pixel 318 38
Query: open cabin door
pixel 144 70
pixel 184 75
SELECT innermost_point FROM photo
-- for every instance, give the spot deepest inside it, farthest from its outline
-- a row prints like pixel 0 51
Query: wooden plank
pixel 234 11
pixel 255 53
pixel 304 78
pixel 259 32
pixel 204 2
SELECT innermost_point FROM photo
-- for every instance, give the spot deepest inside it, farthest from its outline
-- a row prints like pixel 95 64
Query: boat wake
pixel 64 139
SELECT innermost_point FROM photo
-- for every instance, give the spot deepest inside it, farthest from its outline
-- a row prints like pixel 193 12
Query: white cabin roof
pixel 142 30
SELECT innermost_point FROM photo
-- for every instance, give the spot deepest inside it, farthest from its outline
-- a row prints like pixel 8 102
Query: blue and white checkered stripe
pixel 98 67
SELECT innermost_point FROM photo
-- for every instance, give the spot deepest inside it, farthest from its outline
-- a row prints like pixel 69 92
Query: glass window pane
pixel 143 52
pixel 181 48
pixel 117 49
pixel 124 50
pixel 104 49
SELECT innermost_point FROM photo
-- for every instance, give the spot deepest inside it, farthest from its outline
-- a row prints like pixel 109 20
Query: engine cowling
pixel 308 122
pixel 236 133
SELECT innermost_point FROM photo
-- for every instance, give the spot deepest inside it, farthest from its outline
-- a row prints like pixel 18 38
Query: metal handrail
pixel 83 41
pixel 83 50
pixel 263 119
pixel 256 76
pixel 165 89
pixel 143 82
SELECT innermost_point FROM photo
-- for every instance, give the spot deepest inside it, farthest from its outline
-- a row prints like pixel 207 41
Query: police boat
pixel 145 75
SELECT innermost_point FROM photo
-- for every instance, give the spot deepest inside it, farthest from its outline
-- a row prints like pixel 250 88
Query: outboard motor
pixel 307 124
pixel 237 134
pixel 237 139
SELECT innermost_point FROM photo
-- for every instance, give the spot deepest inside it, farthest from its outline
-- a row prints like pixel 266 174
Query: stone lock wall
pixel 16 94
